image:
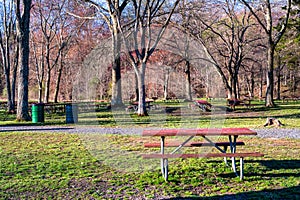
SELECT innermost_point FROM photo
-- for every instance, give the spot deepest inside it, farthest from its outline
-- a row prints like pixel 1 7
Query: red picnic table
pixel 203 105
pixel 231 133
pixel 135 104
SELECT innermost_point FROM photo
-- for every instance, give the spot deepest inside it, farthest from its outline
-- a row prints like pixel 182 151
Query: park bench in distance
pixel 203 105
pixel 291 98
pixel 134 105
pixel 232 103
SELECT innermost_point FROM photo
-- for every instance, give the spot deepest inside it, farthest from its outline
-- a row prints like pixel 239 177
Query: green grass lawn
pixel 70 166
pixel 86 166
pixel 178 115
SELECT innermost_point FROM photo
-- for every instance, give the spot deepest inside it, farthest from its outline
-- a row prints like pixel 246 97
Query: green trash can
pixel 71 113
pixel 37 111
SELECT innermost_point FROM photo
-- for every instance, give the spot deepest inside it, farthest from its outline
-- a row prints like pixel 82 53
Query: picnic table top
pixel 199 132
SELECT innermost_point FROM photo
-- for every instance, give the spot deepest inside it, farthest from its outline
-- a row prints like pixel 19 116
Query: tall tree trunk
pixel 207 91
pixel 235 86
pixel 188 94
pixel 239 88
pixel 47 86
pixel 48 71
pixel 14 78
pixel 261 83
pixel 273 39
pixel 57 85
pixel 13 92
pixel 8 86
pixel 166 84
pixel 142 92
pixel 285 75
pixel 40 97
pixel 23 21
pixel 229 88
pixel 269 101
pixel 10 103
pixel 250 84
pixel 136 87
pixel 39 71
pixel 116 66
pixel 278 82
pixel 5 53
pixel 294 86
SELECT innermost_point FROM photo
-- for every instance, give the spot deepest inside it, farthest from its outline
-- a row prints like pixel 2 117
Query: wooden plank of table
pixel 199 132
pixel 203 155
pixel 191 144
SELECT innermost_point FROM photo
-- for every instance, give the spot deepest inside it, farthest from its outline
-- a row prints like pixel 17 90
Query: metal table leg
pixel 217 147
pixel 233 149
pixel 241 168
pixel 164 161
pixel 225 159
pixel 165 168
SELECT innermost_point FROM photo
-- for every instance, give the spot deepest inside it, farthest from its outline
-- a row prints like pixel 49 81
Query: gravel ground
pixel 264 133
pixel 278 133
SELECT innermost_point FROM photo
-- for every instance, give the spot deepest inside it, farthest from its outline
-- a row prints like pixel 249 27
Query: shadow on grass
pixel 273 165
pixel 284 193
pixel 281 164
pixel 260 108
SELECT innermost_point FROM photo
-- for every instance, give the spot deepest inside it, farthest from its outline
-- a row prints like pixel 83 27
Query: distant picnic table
pixel 203 105
pixel 134 105
pixel 232 103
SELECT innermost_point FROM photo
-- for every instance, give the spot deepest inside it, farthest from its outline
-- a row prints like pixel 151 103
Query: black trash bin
pixel 37 113
pixel 71 113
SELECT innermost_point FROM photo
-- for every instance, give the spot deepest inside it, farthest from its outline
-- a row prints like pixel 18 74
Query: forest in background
pixel 238 38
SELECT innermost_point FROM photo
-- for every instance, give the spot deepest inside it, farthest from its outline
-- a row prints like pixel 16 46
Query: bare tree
pixel 268 26
pixel 280 64
pixel 54 29
pixel 111 11
pixel 68 28
pixel 287 53
pixel 225 38
pixel 49 14
pixel 23 31
pixel 183 24
pixel 9 51
pixel 39 62
pixel 142 38
pixel 167 71
pixel 167 63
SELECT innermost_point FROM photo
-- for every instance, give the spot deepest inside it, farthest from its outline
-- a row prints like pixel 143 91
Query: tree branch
pixel 255 15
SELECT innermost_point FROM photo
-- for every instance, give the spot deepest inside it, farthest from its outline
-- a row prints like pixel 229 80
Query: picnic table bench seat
pixel 205 155
pixel 164 158
pixel 191 144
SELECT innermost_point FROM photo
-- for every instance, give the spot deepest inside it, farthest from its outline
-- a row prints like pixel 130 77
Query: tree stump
pixel 272 121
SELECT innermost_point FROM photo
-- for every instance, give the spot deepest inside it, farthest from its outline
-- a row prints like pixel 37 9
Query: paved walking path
pixel 264 133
